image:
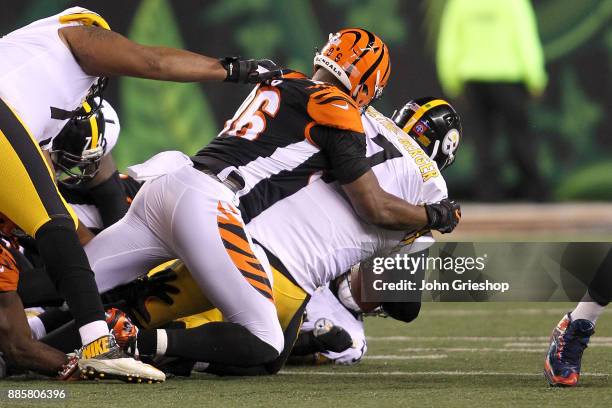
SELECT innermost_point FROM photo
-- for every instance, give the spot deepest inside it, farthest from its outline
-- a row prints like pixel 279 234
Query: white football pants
pixel 187 214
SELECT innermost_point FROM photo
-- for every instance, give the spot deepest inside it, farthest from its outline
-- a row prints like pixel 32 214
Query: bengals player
pixel 288 133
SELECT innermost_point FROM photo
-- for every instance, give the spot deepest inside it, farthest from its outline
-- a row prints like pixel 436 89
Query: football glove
pixel 336 339
pixel 249 71
pixel 158 286
pixel 443 216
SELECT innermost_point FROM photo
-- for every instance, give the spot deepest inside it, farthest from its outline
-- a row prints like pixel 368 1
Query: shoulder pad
pixel 328 106
pixel 291 74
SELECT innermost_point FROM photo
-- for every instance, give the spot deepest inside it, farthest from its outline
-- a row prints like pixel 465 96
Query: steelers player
pixel 46 70
pixel 89 181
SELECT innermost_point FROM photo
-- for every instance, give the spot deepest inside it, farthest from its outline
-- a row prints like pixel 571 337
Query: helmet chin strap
pixel 435 150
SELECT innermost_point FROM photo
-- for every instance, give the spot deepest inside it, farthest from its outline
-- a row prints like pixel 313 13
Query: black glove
pixel 136 293
pixel 336 339
pixel 443 216
pixel 245 71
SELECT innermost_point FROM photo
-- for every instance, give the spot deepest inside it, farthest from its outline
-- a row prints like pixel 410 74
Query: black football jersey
pixel 287 133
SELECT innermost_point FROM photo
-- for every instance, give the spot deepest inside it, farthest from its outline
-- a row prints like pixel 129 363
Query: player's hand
pixel 443 216
pixel 336 339
pixel 249 71
pixel 157 286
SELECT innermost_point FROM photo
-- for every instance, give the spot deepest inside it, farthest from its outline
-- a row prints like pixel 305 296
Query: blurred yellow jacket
pixel 489 41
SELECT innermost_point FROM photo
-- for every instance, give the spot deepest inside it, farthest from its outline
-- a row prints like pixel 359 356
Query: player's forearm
pixel 397 214
pixel 375 206
pixel 105 53
pixel 185 66
pixel 84 234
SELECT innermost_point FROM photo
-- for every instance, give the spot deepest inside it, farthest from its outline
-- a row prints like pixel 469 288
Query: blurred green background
pixel 571 120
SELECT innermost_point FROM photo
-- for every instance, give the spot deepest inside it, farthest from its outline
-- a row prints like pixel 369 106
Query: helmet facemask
pixel 78 149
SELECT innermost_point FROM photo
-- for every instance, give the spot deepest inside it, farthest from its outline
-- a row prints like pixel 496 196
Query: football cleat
pixel 103 358
pixel 567 343
pixel 122 328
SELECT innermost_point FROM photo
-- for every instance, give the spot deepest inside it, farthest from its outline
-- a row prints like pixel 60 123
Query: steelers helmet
pixel 435 125
pixel 77 150
pixel 360 61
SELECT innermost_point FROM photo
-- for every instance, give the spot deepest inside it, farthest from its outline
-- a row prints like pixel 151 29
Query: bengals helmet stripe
pixel 360 61
pixel 372 68
pixel 357 37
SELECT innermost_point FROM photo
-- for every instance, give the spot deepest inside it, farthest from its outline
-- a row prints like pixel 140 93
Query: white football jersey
pixel 316 233
pixel 38 73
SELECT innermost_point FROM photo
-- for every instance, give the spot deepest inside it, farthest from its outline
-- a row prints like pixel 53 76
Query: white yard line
pixel 511 311
pixel 473 350
pixel 592 344
pixel 477 339
pixel 400 357
pixel 340 372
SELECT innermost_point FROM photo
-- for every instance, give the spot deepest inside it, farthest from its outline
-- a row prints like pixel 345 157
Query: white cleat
pixel 103 358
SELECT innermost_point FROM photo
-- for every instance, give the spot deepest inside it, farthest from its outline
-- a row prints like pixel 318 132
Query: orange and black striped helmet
pixel 360 60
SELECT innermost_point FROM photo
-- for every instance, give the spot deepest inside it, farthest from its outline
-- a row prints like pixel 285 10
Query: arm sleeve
pixel 530 46
pixel 110 199
pixel 345 150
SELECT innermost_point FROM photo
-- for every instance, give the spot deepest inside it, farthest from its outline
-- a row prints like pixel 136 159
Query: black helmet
pixel 435 125
pixel 79 147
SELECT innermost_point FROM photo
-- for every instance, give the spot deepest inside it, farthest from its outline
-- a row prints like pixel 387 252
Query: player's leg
pixel 127 249
pixel 207 233
pixel 571 336
pixel 513 102
pixel 291 301
pixel 31 200
pixel 481 119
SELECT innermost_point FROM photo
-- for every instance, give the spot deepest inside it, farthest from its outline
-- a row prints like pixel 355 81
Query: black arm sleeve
pixel 346 152
pixel 111 199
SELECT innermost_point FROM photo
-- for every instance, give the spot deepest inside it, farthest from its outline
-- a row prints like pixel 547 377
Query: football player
pixel 437 130
pixel 314 236
pixel 571 336
pixel 287 134
pixel 91 184
pixel 46 70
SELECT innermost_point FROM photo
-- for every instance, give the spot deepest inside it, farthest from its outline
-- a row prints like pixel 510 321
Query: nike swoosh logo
pixel 343 107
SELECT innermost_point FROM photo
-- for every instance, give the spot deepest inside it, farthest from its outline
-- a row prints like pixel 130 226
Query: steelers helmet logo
pixel 450 142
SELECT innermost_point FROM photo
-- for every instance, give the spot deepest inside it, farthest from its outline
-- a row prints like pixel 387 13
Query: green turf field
pixel 487 354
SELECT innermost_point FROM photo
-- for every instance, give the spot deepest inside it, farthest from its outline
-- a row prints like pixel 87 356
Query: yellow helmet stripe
pixel 93 124
pixel 86 19
pixel 421 111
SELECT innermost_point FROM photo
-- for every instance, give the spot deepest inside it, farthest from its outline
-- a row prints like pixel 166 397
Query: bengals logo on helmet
pixel 360 60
